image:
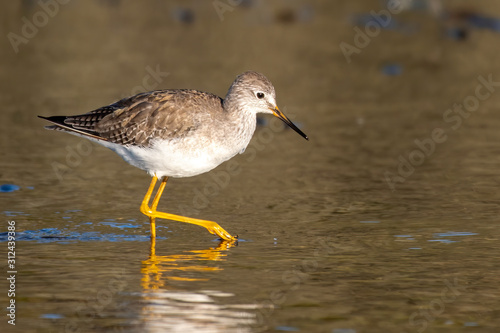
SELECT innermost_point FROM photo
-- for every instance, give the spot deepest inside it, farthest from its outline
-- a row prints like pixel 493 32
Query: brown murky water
pixel 385 221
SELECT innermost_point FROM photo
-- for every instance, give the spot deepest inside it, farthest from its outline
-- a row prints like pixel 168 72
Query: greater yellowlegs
pixel 178 133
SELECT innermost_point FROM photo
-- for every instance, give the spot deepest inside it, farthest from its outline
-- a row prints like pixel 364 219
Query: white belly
pixel 173 158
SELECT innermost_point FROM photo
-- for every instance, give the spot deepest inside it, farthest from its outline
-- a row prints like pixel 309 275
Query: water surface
pixel 341 234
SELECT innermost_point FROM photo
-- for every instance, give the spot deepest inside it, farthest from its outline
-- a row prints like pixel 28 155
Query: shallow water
pixel 380 223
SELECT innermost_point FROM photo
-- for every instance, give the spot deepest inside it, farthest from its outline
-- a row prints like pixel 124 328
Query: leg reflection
pixel 157 271
pixel 170 304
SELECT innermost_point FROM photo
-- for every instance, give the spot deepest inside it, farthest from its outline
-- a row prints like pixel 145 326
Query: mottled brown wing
pixel 138 119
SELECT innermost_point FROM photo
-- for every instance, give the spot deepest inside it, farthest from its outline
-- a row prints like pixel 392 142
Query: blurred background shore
pixel 400 175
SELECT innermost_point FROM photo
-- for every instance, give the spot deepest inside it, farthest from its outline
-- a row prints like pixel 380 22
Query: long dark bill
pixel 287 121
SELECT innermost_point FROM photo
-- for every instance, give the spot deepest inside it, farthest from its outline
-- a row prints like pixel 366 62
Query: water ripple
pixel 49 235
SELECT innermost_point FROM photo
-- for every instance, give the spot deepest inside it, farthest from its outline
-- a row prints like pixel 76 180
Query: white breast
pixel 173 158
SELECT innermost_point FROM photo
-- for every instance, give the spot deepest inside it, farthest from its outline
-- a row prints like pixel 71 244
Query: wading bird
pixel 178 133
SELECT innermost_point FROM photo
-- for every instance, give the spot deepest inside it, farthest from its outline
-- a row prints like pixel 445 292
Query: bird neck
pixel 236 107
pixel 242 117
pixel 233 101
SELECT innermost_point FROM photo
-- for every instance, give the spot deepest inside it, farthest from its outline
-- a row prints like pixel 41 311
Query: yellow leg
pixel 159 193
pixel 152 249
pixel 152 219
pixel 145 208
pixel 211 226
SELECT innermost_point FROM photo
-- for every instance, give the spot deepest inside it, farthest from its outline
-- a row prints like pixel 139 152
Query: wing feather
pixel 161 114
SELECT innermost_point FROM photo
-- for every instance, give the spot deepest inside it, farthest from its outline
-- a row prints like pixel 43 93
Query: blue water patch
pixel 450 234
pixel 286 328
pixel 472 20
pixel 371 22
pixel 484 22
pixel 13 213
pixel 392 69
pixel 9 188
pixel 120 225
pixel 471 324
pixel 454 234
pixel 441 240
pixel 54 235
pixel 51 316
pixel 406 237
pixel 344 330
pixel 125 238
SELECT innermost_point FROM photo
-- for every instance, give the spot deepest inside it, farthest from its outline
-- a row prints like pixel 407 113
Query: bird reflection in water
pixel 158 270
pixel 167 308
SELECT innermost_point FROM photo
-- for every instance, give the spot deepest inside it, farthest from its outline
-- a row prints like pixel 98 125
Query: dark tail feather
pixel 60 125
pixel 57 120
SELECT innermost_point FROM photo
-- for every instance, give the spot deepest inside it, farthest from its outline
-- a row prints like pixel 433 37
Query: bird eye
pixel 260 95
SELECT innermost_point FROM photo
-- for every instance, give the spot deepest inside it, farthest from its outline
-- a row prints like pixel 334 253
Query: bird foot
pixel 211 226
